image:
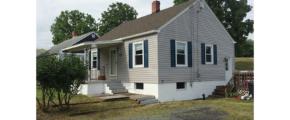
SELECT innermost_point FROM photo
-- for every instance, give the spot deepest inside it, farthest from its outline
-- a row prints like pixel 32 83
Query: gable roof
pixel 67 43
pixel 38 52
pixel 146 23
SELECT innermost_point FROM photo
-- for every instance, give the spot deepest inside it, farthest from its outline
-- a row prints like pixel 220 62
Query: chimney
pixel 74 33
pixel 155 6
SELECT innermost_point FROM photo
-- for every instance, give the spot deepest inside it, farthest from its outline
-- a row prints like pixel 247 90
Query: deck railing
pixel 239 82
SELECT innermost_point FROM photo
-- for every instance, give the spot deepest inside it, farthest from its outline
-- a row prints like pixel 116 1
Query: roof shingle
pixel 146 23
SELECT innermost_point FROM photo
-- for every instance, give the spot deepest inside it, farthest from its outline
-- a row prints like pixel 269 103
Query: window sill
pixel 181 65
pixel 139 89
pixel 209 63
pixel 138 66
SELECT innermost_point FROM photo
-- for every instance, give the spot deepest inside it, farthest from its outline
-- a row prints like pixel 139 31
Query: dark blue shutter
pixel 172 45
pixel 130 56
pixel 89 60
pixel 202 53
pixel 189 53
pixel 99 52
pixel 146 53
pixel 215 54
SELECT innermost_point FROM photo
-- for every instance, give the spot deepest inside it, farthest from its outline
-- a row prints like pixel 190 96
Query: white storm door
pixel 228 68
pixel 113 62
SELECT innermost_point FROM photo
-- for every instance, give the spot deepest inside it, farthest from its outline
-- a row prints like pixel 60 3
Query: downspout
pixel 191 32
pixel 197 71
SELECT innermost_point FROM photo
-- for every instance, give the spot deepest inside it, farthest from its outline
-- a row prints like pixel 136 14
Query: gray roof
pixel 146 23
pixel 67 43
pixel 38 52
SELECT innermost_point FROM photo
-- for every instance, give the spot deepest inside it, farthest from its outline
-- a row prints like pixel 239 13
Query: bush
pixel 59 77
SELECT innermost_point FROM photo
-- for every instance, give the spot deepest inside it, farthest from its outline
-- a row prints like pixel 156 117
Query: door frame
pixel 230 67
pixel 113 48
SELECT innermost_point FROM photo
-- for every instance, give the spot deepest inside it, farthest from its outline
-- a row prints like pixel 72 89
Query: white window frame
pixel 185 53
pixel 134 53
pixel 185 86
pixel 209 45
pixel 136 86
pixel 92 59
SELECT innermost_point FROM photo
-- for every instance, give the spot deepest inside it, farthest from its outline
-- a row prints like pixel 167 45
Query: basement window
pixel 139 86
pixel 180 85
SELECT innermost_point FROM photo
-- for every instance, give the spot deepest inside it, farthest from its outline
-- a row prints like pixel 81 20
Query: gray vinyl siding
pixel 209 32
pixel 140 74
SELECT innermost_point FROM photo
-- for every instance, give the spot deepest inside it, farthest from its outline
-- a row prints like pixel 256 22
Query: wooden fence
pixel 239 82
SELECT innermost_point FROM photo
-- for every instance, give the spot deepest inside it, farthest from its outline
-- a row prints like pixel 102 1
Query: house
pixel 38 52
pixel 57 49
pixel 178 53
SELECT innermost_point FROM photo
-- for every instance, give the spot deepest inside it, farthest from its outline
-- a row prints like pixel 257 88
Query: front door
pixel 113 62
pixel 228 68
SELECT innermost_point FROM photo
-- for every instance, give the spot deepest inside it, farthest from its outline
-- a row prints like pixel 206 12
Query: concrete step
pixel 216 96
pixel 112 81
pixel 114 84
pixel 116 87
pixel 218 93
pixel 119 91
pixel 148 102
pixel 145 98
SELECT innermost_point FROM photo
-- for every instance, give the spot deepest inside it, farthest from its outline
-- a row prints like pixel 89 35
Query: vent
pixel 93 35
pixel 201 5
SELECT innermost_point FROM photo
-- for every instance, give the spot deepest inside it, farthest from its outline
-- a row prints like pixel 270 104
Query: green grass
pixel 42 50
pixel 234 109
pixel 244 63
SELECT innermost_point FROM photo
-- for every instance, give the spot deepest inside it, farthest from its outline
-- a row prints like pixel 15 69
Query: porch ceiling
pixel 97 44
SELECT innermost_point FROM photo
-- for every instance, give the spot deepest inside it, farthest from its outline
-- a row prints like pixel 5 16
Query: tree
pixel 116 14
pixel 248 47
pixel 232 13
pixel 67 22
pixel 176 2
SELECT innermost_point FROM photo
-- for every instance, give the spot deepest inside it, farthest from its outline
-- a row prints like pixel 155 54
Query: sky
pixel 48 10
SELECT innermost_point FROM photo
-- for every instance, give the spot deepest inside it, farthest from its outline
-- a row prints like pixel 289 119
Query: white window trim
pixel 136 86
pixel 185 86
pixel 209 45
pixel 185 53
pixel 92 58
pixel 134 52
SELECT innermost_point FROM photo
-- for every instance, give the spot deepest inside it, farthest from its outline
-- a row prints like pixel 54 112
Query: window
pixel 94 60
pixel 138 55
pixel 180 85
pixel 209 54
pixel 139 86
pixel 181 53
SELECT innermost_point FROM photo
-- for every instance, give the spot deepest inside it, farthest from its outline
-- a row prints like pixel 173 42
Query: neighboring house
pixel 178 53
pixel 57 49
pixel 38 53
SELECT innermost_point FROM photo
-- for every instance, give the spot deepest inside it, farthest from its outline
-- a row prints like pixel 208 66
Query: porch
pixel 101 57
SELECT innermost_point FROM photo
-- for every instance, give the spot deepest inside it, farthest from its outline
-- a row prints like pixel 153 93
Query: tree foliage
pixel 232 13
pixel 248 48
pixel 59 78
pixel 67 22
pixel 116 14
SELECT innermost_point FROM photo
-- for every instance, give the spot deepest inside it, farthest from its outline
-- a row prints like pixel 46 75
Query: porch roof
pixel 96 44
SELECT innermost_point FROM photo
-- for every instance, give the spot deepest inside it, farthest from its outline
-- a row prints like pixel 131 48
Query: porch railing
pixel 230 85
pixel 95 73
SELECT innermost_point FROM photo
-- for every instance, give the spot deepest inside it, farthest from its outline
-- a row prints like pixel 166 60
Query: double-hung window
pixel 209 54
pixel 181 53
pixel 138 54
pixel 94 59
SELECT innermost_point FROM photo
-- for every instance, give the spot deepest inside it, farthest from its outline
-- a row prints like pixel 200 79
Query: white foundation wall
pixel 148 89
pixel 93 88
pixel 168 91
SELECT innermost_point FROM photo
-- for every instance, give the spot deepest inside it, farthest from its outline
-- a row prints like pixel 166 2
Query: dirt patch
pixel 204 113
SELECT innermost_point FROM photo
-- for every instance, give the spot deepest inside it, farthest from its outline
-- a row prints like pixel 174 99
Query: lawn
pixel 214 109
pixel 244 63
pixel 42 50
